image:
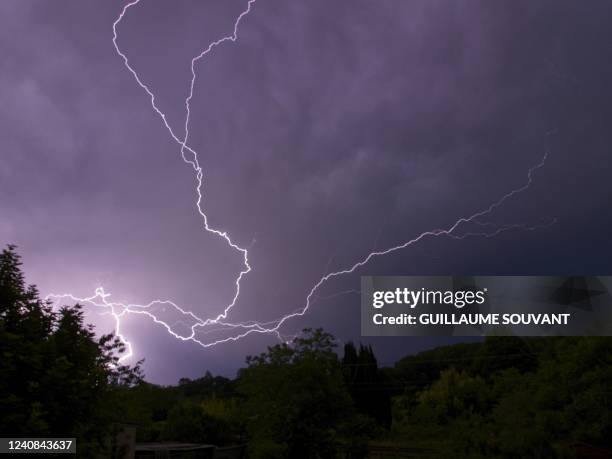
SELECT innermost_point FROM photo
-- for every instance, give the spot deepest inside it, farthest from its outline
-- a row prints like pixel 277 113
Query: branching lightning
pixel 185 325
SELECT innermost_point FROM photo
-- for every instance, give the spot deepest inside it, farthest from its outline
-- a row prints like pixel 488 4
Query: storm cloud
pixel 327 130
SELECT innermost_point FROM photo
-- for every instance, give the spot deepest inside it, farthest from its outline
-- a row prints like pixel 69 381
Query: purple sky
pixel 327 130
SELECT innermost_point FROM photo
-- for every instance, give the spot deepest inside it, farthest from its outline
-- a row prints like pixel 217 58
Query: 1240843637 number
pixel 38 445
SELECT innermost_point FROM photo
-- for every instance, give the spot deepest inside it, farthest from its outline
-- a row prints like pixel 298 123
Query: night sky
pixel 328 130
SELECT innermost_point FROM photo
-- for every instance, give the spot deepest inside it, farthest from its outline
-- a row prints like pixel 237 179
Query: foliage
pixel 206 387
pixel 539 407
pixel 154 409
pixel 189 422
pixel 297 404
pixel 368 387
pixel 56 378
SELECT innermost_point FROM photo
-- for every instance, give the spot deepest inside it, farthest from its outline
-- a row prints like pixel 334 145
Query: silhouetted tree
pixel 188 421
pixel 297 404
pixel 367 386
pixel 56 378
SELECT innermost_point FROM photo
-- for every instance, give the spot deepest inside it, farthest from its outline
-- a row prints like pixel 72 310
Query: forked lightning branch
pixel 459 228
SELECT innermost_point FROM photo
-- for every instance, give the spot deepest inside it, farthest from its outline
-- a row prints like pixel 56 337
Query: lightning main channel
pixel 187 326
pixel 183 143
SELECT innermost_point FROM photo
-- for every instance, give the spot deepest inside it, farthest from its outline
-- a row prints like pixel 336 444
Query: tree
pixel 540 406
pixel 367 386
pixel 188 421
pixel 297 403
pixel 56 378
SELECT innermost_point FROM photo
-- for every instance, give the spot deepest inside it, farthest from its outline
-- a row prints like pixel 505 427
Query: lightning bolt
pixel 185 325
pixel 185 149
